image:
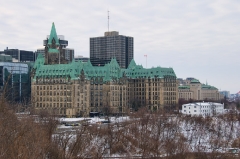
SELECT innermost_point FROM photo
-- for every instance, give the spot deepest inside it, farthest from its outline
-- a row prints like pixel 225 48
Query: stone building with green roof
pixel 78 88
pixel 155 87
pixel 195 90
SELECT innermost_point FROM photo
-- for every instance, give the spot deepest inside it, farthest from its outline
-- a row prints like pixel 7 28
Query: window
pixel 195 110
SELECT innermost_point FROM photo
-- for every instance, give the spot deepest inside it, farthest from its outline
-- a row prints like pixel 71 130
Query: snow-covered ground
pixel 213 134
pixel 95 119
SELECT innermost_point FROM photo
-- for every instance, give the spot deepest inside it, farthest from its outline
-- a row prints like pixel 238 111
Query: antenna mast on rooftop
pixel 108 20
pixel 146 59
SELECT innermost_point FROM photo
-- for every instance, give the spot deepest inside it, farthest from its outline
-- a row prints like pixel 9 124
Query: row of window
pixel 53 87
pixel 185 93
pixel 169 98
pixel 55 105
pixel 43 93
pixel 169 93
pixel 53 99
pixel 206 106
pixel 169 89
pixel 184 90
pixel 116 93
pixel 117 88
pixel 118 99
pixel 189 111
pixel 169 102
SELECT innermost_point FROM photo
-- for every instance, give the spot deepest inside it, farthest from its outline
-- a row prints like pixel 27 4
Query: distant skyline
pixel 198 39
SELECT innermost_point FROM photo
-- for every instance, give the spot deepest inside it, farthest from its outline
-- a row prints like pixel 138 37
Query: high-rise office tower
pixel 111 45
pixel 19 55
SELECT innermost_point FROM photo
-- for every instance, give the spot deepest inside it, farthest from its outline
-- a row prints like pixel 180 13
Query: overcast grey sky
pixel 198 38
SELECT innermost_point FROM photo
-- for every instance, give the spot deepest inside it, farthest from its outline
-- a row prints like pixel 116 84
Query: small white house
pixel 204 109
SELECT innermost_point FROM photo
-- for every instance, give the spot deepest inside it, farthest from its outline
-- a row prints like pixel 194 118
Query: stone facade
pixel 153 92
pixel 79 97
pixel 195 90
pixel 78 88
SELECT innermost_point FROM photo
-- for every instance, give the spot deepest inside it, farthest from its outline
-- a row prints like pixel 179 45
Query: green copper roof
pixel 73 70
pixel 53 50
pixel 132 64
pixel 205 86
pixel 53 35
pixel 195 81
pixel 137 71
pixel 108 72
pixel 184 87
pixel 39 62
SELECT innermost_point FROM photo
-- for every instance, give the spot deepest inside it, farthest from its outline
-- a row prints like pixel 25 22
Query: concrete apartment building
pixel 78 88
pixel 81 58
pixel 19 55
pixel 111 45
pixel 191 88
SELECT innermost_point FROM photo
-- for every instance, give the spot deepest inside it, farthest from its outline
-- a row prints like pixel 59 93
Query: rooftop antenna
pixel 108 20
pixel 146 59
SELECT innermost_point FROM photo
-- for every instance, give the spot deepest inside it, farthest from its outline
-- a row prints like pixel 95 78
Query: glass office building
pixel 15 83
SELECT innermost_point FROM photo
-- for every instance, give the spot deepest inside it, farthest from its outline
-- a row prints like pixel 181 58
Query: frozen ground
pixel 215 135
pixel 95 119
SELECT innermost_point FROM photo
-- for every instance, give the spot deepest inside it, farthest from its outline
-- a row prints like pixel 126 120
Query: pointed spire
pixel 53 35
pixel 132 64
pixel 89 64
pixel 206 82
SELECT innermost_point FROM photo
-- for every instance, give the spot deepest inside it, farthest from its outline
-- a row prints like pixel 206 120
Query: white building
pixel 204 109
